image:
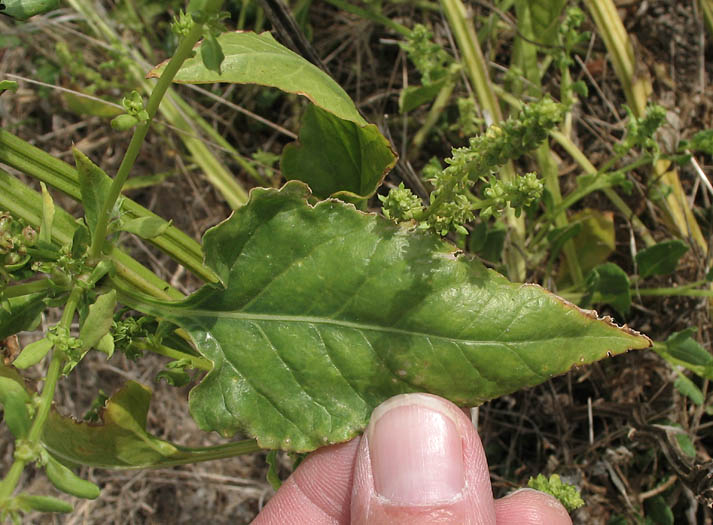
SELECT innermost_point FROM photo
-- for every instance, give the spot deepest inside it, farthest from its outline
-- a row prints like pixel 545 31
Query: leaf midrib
pixel 251 316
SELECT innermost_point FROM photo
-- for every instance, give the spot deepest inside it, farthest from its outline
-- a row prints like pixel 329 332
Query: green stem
pixel 7 487
pixel 581 159
pixel 682 291
pixel 26 288
pixel 196 362
pixel 707 8
pixel 226 450
pixel 184 51
pixel 437 109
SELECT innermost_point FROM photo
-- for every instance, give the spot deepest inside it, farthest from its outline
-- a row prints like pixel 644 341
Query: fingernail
pixel 416 452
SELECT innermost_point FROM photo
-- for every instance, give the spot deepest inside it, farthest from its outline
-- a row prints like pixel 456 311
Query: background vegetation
pixel 634 432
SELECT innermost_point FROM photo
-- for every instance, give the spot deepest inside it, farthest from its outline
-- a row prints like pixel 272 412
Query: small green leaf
pixel 146 227
pixel 686 443
pixel 98 321
pixel 211 53
pixel 145 181
pixel 689 389
pixel 660 259
pixel 8 85
pixel 14 400
pixel 567 494
pixel 328 311
pixel 47 215
pixel 94 186
pixel 29 502
pixel 80 241
pixel 24 9
pixel 701 141
pixel 68 482
pixel 490 248
pixel 272 476
pixel 709 275
pixel 658 512
pixel 106 345
pixel 336 157
pixel 608 283
pixel 20 313
pixel 33 354
pixel 681 349
pixel 124 122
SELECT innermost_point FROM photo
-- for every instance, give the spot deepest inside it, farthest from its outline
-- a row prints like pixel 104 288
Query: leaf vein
pixel 291 371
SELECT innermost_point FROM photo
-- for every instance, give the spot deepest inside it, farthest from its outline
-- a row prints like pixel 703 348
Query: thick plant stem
pixel 7 487
pixel 476 68
pixel 184 51
pixel 637 88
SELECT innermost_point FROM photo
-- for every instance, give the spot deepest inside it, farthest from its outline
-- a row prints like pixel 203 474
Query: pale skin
pixel 419 462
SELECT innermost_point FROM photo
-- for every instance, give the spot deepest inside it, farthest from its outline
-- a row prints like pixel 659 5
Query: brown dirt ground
pixel 578 425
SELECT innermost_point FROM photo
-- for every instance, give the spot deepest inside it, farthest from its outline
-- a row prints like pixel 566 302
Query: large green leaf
pixel 121 440
pixel 257 58
pixel 327 311
pixel 337 157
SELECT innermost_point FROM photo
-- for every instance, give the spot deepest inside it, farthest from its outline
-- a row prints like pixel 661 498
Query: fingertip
pixel 421 461
pixel 318 492
pixel 530 507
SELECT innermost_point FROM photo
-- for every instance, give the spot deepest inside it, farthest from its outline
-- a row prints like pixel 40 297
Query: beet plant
pixel 313 309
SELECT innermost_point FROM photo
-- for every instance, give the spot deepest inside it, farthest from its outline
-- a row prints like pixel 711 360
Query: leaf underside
pixel 328 311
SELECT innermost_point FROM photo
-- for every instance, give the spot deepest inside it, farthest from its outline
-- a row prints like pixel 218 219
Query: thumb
pixel 421 461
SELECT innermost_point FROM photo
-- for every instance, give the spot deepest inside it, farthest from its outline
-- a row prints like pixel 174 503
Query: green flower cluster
pixel 567 494
pixel 519 194
pixel 128 330
pixel 452 204
pixel 15 239
pixel 61 339
pixel 640 130
pixel 401 204
pixel 429 58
